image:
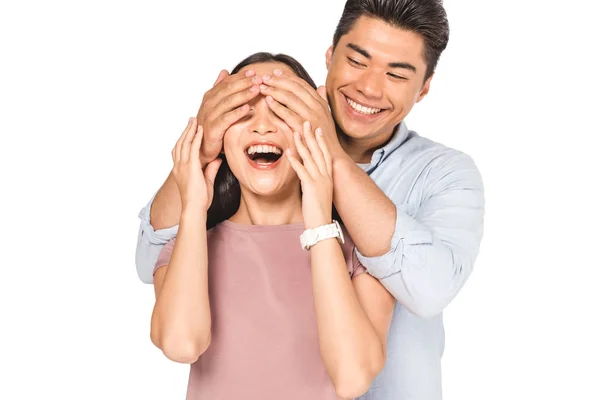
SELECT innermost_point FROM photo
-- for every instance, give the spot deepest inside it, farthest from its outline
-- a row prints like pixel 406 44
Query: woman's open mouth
pixel 264 156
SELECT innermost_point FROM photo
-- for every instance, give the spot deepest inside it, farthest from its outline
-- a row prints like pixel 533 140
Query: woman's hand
pixel 315 173
pixel 195 186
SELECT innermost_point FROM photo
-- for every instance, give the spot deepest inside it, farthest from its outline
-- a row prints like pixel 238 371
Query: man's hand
pixel 222 106
pixel 295 102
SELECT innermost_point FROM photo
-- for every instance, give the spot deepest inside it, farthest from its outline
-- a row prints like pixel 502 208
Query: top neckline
pixel 299 226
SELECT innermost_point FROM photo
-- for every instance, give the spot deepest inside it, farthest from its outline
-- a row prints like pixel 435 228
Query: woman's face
pixel 255 145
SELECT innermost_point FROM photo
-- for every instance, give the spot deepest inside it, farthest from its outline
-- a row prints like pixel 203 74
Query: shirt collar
pixel 398 137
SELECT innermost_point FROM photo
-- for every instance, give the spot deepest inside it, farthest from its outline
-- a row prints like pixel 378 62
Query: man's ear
pixel 328 55
pixel 424 89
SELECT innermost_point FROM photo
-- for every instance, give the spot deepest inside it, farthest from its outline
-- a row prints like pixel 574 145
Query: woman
pixel 256 315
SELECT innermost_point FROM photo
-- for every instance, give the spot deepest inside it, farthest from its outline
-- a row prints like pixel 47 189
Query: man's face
pixel 375 76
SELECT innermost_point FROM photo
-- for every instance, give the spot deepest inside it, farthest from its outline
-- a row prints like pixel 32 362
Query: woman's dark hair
pixel 427 18
pixel 226 200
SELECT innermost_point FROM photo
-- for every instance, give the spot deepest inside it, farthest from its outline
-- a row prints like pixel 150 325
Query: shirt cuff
pixel 149 244
pixel 160 236
pixel 407 232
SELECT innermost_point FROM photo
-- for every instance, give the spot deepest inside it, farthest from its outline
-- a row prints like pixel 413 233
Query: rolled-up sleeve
pixel 434 245
pixel 150 243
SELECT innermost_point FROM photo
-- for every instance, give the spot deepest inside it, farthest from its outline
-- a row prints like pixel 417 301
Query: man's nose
pixel 371 84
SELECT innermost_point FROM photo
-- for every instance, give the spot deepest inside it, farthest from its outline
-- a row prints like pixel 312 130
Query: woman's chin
pixel 267 187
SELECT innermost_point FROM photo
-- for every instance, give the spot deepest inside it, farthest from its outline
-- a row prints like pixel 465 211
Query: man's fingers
pixel 322 91
pixel 248 76
pixel 227 83
pixel 229 95
pixel 213 140
pixel 226 120
pixel 290 100
pixel 222 75
pixel 234 101
pixel 295 85
pixel 292 119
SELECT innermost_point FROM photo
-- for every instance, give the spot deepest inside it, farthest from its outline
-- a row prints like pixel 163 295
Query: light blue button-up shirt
pixel 438 193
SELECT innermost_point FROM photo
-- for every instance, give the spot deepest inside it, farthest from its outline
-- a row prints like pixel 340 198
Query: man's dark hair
pixel 227 192
pixel 427 18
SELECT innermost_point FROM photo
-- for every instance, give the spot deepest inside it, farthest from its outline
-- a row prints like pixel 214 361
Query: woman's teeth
pixel 264 149
pixel 264 154
pixel 362 109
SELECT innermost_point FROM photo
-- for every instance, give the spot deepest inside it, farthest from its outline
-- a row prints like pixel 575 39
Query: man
pixel 413 207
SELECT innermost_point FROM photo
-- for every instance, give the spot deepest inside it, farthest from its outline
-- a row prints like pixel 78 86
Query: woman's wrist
pixel 315 222
pixel 193 213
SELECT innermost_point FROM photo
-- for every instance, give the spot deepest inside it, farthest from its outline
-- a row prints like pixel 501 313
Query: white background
pixel 93 96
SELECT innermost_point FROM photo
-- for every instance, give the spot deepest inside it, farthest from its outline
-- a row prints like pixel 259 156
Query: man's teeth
pixel 263 149
pixel 362 109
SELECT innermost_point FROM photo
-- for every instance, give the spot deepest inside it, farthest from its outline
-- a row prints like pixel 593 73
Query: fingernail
pixel 249 73
pixel 266 77
pixel 254 89
pixel 307 125
pixel 319 131
pixel 296 135
pixel 263 87
pixel 190 120
pixel 277 72
pixel 288 152
pixel 256 79
pixel 269 99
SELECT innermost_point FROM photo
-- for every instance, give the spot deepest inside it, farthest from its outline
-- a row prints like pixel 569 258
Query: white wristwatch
pixel 310 237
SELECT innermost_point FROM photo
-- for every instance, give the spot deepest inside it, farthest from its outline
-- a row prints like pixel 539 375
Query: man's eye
pixel 398 77
pixel 354 62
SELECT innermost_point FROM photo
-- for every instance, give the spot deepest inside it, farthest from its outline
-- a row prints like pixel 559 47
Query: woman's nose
pixel 263 120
